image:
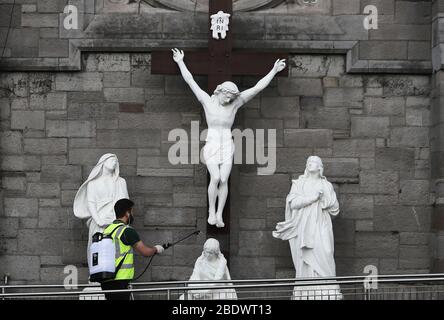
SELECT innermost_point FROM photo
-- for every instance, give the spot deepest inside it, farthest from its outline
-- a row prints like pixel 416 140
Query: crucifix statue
pixel 219 62
pixel 220 110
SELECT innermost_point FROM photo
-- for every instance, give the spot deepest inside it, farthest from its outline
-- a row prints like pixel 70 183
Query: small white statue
pixel 96 197
pixel 211 265
pixel 219 24
pixel 220 111
pixel 307 226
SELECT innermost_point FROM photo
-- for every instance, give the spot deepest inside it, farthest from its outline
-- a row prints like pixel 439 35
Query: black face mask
pixel 130 219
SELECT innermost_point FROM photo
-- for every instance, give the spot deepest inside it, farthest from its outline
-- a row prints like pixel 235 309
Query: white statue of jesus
pixel 309 207
pixel 220 111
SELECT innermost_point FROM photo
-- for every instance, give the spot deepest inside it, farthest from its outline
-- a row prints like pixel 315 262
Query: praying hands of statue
pixel 296 203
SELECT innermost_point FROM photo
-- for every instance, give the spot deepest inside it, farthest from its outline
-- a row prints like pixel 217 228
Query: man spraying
pixel 126 241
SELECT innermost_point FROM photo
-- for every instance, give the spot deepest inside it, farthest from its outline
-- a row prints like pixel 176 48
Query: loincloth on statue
pixel 219 147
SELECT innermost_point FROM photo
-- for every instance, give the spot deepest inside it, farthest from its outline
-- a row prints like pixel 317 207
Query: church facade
pixel 367 101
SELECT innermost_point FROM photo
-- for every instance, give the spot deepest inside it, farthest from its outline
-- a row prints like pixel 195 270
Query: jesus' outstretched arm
pixel 201 95
pixel 249 94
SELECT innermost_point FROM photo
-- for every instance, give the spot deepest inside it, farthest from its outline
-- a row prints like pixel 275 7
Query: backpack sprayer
pixel 102 256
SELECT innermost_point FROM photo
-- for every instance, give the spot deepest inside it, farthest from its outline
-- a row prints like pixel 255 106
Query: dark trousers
pixel 116 285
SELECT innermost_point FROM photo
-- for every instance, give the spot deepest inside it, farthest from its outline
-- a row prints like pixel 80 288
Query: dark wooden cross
pixel 219 63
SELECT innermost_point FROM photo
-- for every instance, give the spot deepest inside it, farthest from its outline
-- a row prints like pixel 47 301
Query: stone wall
pixel 372 132
pixel 358 98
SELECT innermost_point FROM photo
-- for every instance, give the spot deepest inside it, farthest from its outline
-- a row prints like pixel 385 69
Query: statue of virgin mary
pixel 309 207
pixel 97 195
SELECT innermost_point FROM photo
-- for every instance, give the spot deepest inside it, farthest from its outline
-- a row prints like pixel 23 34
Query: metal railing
pixel 394 287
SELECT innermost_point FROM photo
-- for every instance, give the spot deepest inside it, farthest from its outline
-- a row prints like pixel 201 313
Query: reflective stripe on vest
pixel 126 271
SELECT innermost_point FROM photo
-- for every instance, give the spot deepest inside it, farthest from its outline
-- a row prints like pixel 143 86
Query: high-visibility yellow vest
pixel 123 252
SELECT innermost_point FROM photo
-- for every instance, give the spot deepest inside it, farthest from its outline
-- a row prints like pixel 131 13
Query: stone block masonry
pixel 372 131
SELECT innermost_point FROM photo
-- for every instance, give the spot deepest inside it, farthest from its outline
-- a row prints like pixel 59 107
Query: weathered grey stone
pixel 61 173
pixel 186 255
pixel 128 138
pixel 11 142
pixel 70 128
pixel 252 224
pixel 49 101
pixel 160 103
pixel 402 218
pixel 38 20
pixel 15 183
pixel 381 182
pixel 113 62
pixel 354 148
pixel 327 118
pixel 67 197
pixel 345 7
pixel 258 267
pixel 20 163
pixel 370 127
pixel 291 159
pixel 414 238
pixel 92 110
pixel 277 184
pixel 380 245
pixel 253 243
pixel 416 12
pixel 40 82
pixel 124 94
pixel 341 167
pixel 419 50
pixel 193 200
pixel 343 97
pixel 116 79
pixel 395 158
pixel 28 120
pixel 149 120
pixel 384 106
pixel 386 31
pixel 46 146
pixel 409 137
pixel 299 87
pixel 352 81
pixel 43 190
pixel 356 206
pixel 170 217
pixel 344 230
pixel 380 50
pixel 84 81
pixel 415 192
pixel 280 107
pixel 21 267
pixel 50 5
pixel 74 252
pixel 21 207
pixel 41 242
pixel 309 65
pixel 364 225
pixel 91 156
pixel 10 227
pixel 308 138
pixel 406 86
pixel 417 116
pixel 414 257
pixel 53 48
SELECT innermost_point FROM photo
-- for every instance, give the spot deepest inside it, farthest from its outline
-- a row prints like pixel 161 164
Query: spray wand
pixel 166 246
